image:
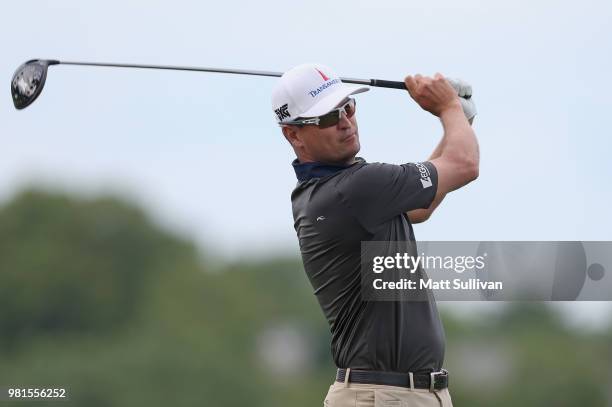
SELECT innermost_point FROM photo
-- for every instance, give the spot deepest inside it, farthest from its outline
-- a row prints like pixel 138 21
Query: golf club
pixel 29 79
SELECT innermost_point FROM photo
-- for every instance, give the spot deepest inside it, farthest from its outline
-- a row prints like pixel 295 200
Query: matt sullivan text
pixel 429 284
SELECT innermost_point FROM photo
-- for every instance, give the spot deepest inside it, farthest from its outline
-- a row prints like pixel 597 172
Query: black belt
pixel 432 381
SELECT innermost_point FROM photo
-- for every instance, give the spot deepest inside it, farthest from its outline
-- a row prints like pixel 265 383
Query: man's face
pixel 335 144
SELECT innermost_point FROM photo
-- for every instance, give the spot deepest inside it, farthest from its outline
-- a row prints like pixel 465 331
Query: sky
pixel 202 153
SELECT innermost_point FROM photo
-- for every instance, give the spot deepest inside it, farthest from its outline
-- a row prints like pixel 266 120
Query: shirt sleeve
pixel 378 192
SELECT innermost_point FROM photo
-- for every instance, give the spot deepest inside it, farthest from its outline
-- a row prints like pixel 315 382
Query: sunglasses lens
pixel 332 118
pixel 349 108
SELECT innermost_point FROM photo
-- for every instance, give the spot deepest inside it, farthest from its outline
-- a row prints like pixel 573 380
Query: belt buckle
pixel 432 379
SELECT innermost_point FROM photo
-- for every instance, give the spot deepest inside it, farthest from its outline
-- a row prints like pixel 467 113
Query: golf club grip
pixel 387 84
pixel 396 85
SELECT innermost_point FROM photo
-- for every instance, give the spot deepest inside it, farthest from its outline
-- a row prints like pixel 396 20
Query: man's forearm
pixel 438 150
pixel 459 141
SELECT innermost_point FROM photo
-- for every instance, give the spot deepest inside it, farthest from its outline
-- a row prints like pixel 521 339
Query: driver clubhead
pixel 28 81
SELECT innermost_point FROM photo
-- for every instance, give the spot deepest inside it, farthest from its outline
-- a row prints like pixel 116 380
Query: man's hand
pixel 435 95
pixel 464 90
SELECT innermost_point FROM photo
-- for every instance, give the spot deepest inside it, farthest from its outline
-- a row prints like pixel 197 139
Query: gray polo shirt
pixel 336 208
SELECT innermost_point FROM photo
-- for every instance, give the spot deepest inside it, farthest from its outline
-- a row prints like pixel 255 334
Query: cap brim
pixel 332 100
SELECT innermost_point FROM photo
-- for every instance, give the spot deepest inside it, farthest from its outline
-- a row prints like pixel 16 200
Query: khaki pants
pixel 375 395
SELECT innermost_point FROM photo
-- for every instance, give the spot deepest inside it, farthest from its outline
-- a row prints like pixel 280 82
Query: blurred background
pixel 147 250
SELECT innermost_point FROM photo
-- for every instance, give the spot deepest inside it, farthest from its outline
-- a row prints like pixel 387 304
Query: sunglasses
pixel 329 119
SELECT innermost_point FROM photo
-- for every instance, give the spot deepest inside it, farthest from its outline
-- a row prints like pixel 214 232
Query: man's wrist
pixel 452 109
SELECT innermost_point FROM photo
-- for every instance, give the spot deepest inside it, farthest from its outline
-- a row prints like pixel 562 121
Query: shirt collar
pixel 309 170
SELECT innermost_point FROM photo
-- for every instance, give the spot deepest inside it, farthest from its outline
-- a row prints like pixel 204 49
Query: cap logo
pixel 325 78
pixel 321 88
pixel 282 112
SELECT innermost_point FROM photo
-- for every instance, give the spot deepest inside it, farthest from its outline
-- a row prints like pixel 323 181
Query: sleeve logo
pixel 425 176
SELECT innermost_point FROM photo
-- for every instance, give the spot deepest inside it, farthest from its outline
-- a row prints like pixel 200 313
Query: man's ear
pixel 292 135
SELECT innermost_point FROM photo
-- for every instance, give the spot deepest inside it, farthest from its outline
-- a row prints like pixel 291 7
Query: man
pixel 387 352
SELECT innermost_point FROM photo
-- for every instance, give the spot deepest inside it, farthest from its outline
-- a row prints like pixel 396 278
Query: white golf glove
pixel 464 90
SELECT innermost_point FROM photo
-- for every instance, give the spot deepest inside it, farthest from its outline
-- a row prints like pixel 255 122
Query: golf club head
pixel 28 81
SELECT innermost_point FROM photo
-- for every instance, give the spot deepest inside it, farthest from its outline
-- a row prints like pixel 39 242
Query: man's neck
pixel 315 169
pixel 345 163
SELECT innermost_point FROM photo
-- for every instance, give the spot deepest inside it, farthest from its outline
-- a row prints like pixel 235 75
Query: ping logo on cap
pixel 282 112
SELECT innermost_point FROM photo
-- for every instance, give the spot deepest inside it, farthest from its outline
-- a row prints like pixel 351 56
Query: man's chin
pixel 349 157
pixel 357 148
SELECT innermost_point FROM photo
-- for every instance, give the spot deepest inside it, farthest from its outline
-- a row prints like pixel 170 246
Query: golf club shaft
pixel 370 82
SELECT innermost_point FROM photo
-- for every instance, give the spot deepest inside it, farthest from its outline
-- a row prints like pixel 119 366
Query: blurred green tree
pixel 75 265
pixel 96 298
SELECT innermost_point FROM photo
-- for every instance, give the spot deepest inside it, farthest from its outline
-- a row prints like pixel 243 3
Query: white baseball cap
pixel 309 90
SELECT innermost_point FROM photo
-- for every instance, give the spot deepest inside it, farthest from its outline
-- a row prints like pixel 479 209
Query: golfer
pixel 388 353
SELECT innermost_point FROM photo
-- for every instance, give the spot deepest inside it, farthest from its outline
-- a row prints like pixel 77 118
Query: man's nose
pixel 344 121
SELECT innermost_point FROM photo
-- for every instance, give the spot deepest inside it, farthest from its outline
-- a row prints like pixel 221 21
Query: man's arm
pixel 456 157
pixel 421 215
